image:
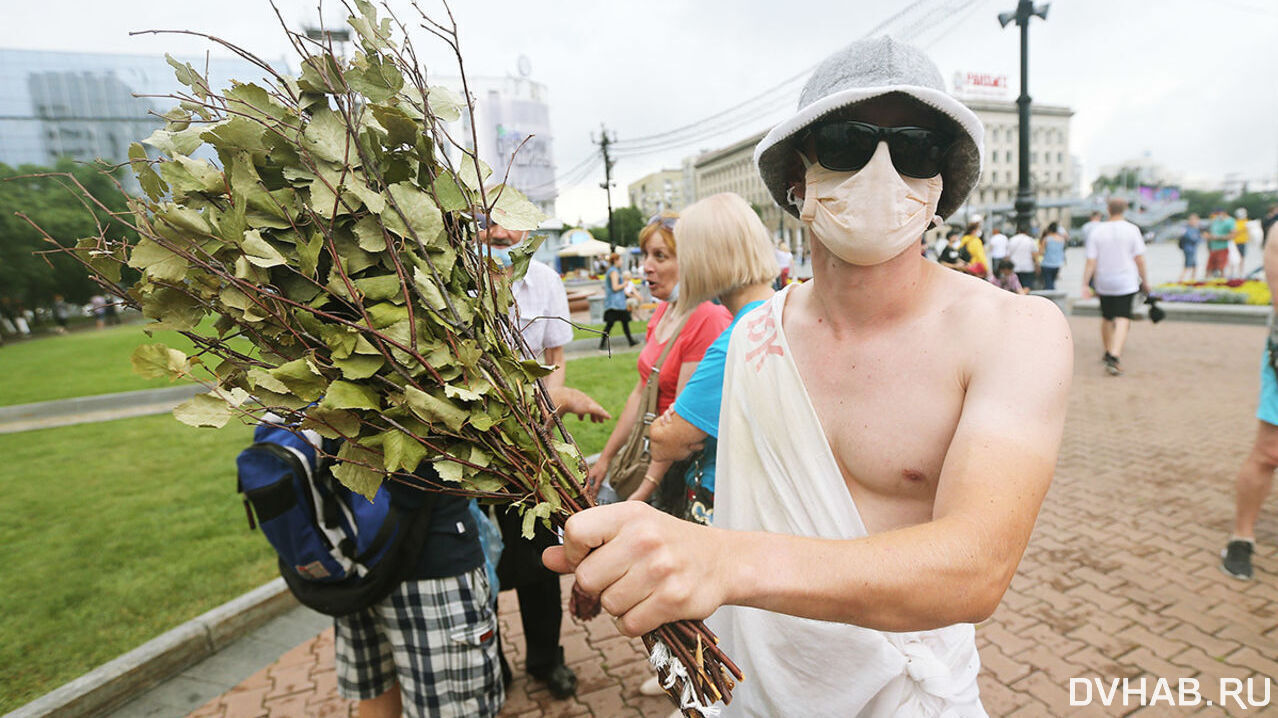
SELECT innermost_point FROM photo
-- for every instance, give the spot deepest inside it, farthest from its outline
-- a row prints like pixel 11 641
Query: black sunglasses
pixel 847 146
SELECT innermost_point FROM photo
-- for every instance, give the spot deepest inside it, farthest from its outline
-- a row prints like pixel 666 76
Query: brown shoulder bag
pixel 631 463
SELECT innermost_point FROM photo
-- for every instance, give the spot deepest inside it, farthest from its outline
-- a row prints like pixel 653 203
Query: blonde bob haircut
pixel 723 247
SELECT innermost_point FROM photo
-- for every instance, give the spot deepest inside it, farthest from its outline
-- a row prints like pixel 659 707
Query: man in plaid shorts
pixel 430 648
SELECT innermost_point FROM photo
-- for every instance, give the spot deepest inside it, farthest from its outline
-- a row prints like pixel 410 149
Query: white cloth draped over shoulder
pixel 778 474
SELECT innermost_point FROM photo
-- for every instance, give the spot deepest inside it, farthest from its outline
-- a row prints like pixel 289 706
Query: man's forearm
pixel 554 356
pixel 911 579
pixel 1089 270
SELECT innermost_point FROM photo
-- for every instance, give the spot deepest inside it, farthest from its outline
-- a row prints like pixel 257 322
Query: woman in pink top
pixel 704 322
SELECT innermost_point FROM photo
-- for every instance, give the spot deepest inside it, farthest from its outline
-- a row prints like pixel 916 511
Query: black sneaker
pixel 560 680
pixel 1235 559
pixel 1111 365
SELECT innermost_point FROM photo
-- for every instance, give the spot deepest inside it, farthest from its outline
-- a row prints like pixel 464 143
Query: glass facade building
pixel 83 105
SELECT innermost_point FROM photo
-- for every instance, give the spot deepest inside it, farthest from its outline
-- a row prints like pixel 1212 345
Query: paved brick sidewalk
pixel 1120 579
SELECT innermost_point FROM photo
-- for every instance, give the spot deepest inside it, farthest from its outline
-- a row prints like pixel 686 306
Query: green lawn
pixel 92 361
pixel 82 363
pixel 607 379
pixel 594 331
pixel 118 531
pixel 114 533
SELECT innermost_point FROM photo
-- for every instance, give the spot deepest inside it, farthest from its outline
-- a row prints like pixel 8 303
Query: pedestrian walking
pixel 1051 251
pixel 1115 253
pixel 1022 252
pixel 1220 235
pixel 1256 477
pixel 1189 242
pixel 1242 236
pixel 616 309
pixel 996 248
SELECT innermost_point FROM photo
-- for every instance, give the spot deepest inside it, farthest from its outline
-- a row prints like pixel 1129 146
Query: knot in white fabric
pixel 662 658
pixel 925 669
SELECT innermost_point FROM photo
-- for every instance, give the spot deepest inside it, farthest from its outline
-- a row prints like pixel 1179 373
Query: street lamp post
pixel 1025 9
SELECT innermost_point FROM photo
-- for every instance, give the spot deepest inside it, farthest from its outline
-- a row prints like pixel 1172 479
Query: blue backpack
pixel 338 552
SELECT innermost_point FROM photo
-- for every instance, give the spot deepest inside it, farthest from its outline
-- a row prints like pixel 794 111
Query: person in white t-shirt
pixel 996 248
pixel 785 260
pixel 1116 271
pixel 541 305
pixel 1022 251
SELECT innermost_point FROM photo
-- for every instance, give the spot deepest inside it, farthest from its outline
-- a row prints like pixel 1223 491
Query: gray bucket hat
pixel 861 71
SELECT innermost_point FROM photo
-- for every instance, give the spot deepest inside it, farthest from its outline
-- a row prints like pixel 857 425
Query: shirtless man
pixel 888 432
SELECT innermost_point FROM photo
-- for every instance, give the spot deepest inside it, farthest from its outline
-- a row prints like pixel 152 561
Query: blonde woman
pixel 692 324
pixel 727 254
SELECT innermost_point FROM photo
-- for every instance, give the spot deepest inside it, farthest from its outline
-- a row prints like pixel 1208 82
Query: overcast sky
pixel 1191 83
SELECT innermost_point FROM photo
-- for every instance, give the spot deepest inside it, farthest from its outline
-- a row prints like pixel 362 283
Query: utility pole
pixel 1025 9
pixel 603 142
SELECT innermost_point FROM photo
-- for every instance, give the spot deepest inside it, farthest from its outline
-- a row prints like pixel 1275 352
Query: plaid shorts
pixel 437 637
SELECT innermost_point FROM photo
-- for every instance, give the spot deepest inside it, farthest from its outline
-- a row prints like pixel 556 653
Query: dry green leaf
pixel 158 360
pixel 349 395
pixel 353 469
pixel 203 410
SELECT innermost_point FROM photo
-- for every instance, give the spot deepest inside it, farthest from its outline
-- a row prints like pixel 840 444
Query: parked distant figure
pixel 1270 218
pixel 1116 261
pixel 111 310
pixel 1051 252
pixel 785 260
pixel 60 313
pixel 1219 240
pixel 1256 477
pixel 1022 252
pixel 953 254
pixel 1092 222
pixel 1189 242
pixel 977 265
pixel 97 303
pixel 996 248
pixel 1242 234
pixel 616 310
pixel 1006 278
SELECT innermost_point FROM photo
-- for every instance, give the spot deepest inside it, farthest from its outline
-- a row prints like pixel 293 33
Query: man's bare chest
pixel 888 411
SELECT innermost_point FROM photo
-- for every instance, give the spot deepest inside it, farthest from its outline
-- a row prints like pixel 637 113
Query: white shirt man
pixel 996 248
pixel 1020 251
pixel 543 309
pixel 1116 270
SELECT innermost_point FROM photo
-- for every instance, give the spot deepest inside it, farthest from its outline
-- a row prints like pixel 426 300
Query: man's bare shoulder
pixel 991 321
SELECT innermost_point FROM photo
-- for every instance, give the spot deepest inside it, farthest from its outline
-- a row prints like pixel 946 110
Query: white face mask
pixel 871 215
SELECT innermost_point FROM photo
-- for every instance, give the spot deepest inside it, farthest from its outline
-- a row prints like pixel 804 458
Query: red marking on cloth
pixel 763 333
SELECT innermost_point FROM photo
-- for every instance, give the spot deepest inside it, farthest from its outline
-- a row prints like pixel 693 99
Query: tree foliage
pixel 338 239
pixel 50 198
pixel 628 222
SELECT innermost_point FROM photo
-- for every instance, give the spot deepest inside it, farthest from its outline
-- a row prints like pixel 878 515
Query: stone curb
pixel 113 684
pixel 1183 311
pixel 100 407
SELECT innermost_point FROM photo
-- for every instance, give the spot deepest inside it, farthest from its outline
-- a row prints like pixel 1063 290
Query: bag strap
pixel 652 387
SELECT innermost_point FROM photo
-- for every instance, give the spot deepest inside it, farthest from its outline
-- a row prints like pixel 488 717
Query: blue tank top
pixel 1053 252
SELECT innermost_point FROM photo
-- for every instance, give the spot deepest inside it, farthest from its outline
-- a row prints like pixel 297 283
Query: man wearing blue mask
pixel 887 434
pixel 541 305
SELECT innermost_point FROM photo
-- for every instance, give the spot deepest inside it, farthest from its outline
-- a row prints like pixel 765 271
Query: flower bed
pixel 1215 291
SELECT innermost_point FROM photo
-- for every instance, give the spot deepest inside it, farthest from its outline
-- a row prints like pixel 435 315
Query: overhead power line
pixel 771 91
pixel 919 18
